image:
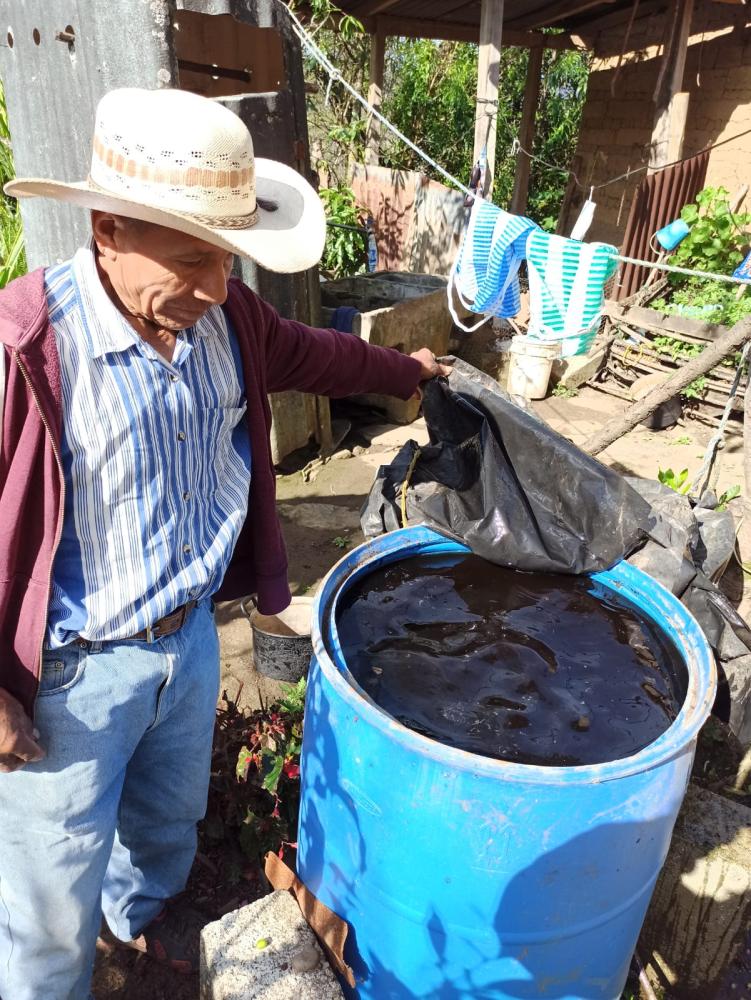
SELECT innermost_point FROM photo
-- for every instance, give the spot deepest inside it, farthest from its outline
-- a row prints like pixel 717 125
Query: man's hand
pixel 18 738
pixel 430 367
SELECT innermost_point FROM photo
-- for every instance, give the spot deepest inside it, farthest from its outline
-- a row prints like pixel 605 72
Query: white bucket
pixel 531 364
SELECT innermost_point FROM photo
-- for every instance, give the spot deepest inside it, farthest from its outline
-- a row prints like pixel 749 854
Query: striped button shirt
pixel 156 458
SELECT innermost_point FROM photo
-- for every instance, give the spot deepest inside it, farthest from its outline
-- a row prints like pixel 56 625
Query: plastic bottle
pixel 372 246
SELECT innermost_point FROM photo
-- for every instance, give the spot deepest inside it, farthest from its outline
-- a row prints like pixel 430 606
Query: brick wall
pixel 618 116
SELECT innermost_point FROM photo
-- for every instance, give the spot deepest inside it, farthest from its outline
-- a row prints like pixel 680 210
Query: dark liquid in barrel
pixel 534 668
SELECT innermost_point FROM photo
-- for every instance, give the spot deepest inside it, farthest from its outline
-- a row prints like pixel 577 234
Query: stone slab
pixel 702 902
pixel 572 373
pixel 264 951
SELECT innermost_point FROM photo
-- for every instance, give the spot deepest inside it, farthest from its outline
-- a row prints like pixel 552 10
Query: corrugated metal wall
pixel 657 201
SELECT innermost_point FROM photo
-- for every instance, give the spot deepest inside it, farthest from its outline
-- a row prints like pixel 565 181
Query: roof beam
pixel 373 7
pixel 454 31
pixel 547 16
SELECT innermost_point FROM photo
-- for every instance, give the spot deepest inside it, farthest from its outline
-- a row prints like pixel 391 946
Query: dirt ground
pixel 320 518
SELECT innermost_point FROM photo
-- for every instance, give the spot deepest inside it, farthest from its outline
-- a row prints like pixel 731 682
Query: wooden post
pixel 488 72
pixel 375 93
pixel 527 131
pixel 670 107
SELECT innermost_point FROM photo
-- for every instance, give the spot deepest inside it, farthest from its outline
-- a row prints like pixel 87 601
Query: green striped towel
pixel 566 289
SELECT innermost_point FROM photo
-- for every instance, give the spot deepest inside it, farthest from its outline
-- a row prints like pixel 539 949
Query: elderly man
pixel 136 484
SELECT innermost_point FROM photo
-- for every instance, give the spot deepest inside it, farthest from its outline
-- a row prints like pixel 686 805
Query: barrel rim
pixel 683 629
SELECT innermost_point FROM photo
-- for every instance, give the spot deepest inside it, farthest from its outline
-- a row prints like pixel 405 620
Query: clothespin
pixel 328 90
pixel 479 181
pixel 586 215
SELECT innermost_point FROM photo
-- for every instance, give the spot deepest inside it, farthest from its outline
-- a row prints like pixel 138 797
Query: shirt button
pixel 175 378
pixel 186 549
pixel 186 495
pixel 181 435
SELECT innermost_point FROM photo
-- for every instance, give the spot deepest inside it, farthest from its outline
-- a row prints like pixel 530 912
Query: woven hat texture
pixel 186 162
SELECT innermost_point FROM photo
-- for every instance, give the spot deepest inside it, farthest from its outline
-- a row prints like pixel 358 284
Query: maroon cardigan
pixel 277 354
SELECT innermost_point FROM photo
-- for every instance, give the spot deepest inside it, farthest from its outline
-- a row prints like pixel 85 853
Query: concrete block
pixel 400 310
pixel 702 903
pixel 265 951
pixel 574 372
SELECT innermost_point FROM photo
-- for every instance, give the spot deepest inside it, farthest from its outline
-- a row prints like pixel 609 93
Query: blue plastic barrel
pixel 466 877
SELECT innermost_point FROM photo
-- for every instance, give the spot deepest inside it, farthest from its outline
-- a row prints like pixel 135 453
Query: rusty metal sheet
pixel 657 201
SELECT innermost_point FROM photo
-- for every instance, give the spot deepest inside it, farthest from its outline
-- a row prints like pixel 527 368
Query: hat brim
pixel 287 239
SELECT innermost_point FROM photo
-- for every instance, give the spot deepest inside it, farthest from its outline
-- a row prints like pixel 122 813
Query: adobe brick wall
pixel 618 116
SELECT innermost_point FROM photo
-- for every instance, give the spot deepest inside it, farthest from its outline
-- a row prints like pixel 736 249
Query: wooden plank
pixel 458 31
pixel 375 94
pixel 670 83
pixel 678 118
pixel 562 9
pixel 518 203
pixel 488 74
pixel 373 7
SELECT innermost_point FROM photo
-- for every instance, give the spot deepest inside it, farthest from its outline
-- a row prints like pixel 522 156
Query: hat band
pixel 246 221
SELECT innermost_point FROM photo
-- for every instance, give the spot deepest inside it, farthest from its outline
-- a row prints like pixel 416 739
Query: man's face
pixel 163 276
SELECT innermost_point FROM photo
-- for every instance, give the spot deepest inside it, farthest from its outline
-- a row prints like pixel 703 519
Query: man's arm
pixel 328 362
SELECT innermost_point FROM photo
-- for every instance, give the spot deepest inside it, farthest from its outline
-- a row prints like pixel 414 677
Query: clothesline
pixel 517 147
pixel 315 51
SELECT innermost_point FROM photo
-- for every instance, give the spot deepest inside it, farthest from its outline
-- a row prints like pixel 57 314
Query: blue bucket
pixel 462 876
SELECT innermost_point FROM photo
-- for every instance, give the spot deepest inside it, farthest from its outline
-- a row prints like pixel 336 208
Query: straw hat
pixel 186 162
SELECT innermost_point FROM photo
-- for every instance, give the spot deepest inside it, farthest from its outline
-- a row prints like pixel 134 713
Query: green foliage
pixel 341 542
pixel 429 94
pixel 705 300
pixel 255 788
pixel 678 482
pixel 346 249
pixel 717 238
pixel 338 125
pixel 717 242
pixel 563 392
pixel 695 389
pixel 562 97
pixel 677 348
pixel 12 254
pixel 730 494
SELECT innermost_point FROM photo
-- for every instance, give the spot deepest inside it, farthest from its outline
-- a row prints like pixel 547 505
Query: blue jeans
pixel 107 822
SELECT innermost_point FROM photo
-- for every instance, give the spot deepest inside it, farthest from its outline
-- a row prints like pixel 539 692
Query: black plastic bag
pixel 499 479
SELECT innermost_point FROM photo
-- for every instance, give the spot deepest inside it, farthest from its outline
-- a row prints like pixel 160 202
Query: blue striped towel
pixel 566 289
pixel 486 268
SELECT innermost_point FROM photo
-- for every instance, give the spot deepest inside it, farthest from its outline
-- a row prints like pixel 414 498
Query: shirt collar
pixel 106 328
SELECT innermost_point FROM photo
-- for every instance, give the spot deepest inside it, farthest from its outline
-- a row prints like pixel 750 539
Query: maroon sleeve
pixel 331 363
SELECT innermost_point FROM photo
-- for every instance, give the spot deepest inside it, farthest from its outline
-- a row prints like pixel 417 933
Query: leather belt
pixel 165 626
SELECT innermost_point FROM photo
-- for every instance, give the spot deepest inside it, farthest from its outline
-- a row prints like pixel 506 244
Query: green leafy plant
pixel 685 439
pixel 341 542
pixel 717 238
pixel 12 253
pixel 680 482
pixel 677 348
pixel 564 392
pixel 717 242
pixel 345 252
pixel 272 757
pixel 730 494
pixel 695 390
pixel 254 795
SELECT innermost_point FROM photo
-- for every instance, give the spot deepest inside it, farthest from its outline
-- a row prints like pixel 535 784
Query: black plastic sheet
pixel 499 479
